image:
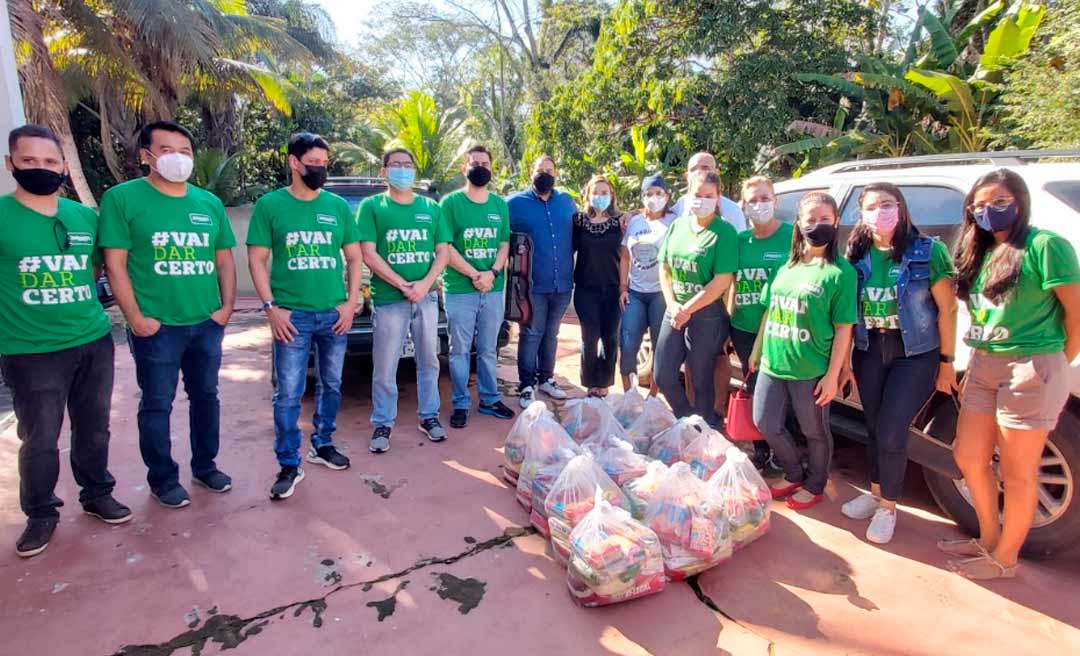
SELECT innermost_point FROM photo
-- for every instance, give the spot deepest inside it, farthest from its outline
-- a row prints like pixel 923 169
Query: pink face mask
pixel 882 220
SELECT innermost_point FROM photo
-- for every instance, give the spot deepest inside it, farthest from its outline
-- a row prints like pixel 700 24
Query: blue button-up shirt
pixel 550 224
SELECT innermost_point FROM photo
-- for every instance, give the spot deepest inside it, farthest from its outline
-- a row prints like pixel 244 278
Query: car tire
pixel 1062 532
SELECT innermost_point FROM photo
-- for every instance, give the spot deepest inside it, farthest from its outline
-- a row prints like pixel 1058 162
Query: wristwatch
pixel 495 272
pixel 268 305
pixel 947 359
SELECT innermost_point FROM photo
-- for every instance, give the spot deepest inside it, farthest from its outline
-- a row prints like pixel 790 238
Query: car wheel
pixel 1056 527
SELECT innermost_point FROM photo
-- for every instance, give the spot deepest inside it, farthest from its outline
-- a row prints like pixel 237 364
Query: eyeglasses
pixel 1002 203
pixel 888 206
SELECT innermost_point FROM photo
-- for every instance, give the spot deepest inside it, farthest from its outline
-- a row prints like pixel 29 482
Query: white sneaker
pixel 882 527
pixel 526 397
pixel 552 390
pixel 861 507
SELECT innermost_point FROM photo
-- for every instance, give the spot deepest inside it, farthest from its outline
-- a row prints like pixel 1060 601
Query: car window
pixel 1067 191
pixel 929 205
pixel 787 203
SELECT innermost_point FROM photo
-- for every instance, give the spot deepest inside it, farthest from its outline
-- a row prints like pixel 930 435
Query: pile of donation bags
pixel 630 498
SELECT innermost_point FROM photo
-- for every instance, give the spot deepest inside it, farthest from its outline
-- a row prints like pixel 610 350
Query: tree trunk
pixel 220 124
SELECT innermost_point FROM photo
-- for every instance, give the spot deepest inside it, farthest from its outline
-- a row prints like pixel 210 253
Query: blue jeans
pixel 194 351
pixel 772 398
pixel 474 316
pixel 645 311
pixel 539 342
pixel 290 369
pixel 392 323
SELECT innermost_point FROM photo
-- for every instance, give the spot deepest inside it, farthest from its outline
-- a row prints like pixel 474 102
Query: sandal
pixel 982 568
pixel 969 547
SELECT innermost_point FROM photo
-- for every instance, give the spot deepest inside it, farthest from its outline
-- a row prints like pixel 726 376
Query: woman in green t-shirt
pixel 1022 288
pixel 802 347
pixel 904 341
pixel 697 261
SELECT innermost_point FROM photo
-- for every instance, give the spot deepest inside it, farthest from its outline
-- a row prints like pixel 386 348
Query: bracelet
pixel 947 359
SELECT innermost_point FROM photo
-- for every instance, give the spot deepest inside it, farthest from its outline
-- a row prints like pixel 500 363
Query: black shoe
pixel 108 510
pixel 433 429
pixel 35 537
pixel 460 418
pixel 216 481
pixel 174 497
pixel 380 440
pixel 285 484
pixel 497 409
pixel 328 456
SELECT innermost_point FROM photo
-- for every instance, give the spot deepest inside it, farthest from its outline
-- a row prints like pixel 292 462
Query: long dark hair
pixel 971 247
pixel 798 242
pixel 862 238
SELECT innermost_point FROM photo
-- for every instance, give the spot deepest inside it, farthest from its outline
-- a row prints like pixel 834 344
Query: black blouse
pixel 598 247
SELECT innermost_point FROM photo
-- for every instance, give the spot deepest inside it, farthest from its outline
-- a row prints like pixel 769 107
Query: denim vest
pixel 915 305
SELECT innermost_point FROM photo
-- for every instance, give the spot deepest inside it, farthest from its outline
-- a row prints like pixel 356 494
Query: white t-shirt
pixel 642 239
pixel 729 211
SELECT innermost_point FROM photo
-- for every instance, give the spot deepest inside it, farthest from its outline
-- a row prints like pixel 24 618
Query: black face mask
pixel 543 182
pixel 40 182
pixel 314 176
pixel 820 235
pixel 479 176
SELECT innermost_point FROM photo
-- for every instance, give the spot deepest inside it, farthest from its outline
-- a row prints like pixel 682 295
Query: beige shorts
pixel 1024 392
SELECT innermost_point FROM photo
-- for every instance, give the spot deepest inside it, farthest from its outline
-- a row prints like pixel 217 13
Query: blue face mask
pixel 991 219
pixel 401 178
pixel 601 203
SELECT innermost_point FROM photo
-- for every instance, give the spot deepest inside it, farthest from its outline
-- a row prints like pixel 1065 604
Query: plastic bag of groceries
pixel 572 495
pixel 613 557
pixel 670 446
pixel 589 417
pixel 744 497
pixel 690 522
pixel 514 447
pixel 706 453
pixel 655 418
pixel 621 462
pixel 629 406
pixel 547 444
pixel 639 491
pixel 541 487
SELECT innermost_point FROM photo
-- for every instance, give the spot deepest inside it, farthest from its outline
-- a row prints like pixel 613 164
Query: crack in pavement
pixel 692 581
pixel 231 630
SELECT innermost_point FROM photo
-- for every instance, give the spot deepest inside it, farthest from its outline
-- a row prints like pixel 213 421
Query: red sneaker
pixel 781 492
pixel 803 505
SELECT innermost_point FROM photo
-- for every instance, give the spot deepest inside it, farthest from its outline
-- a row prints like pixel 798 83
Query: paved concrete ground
pixel 422 551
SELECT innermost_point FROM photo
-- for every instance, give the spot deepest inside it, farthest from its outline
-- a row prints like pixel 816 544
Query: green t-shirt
pixel 477 230
pixel 1031 320
pixel 48 296
pixel 171 244
pixel 804 304
pixel 759 260
pixel 305 238
pixel 879 294
pixel 694 255
pixel 404 235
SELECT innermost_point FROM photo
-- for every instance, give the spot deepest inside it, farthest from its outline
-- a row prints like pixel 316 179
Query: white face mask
pixel 655 203
pixel 175 167
pixel 703 207
pixel 760 212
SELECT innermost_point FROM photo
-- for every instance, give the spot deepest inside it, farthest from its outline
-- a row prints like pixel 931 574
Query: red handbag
pixel 740 417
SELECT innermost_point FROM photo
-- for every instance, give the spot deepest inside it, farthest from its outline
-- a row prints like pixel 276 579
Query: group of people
pixel 702 275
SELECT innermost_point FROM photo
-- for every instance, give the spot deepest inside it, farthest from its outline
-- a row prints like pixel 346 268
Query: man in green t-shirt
pixel 54 338
pixel 479 223
pixel 405 244
pixel 305 297
pixel 168 252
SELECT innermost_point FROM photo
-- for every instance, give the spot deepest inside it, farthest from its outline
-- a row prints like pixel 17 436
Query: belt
pixel 886 332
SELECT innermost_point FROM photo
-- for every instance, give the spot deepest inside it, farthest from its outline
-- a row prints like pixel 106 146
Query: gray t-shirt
pixel 642 239
pixel 729 211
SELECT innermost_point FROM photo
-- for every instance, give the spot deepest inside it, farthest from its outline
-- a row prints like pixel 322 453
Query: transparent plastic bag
pixel 629 406
pixel 514 447
pixel 613 557
pixel 541 487
pixel 690 523
pixel 547 444
pixel 744 497
pixel 655 418
pixel 572 495
pixel 670 446
pixel 706 453
pixel 639 491
pixel 589 417
pixel 621 462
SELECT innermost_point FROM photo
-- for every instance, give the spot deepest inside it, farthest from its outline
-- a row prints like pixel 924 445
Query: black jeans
pixel 910 381
pixel 598 311
pixel 699 343
pixel 42 385
pixel 744 346
pixel 772 398
pixel 159 361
